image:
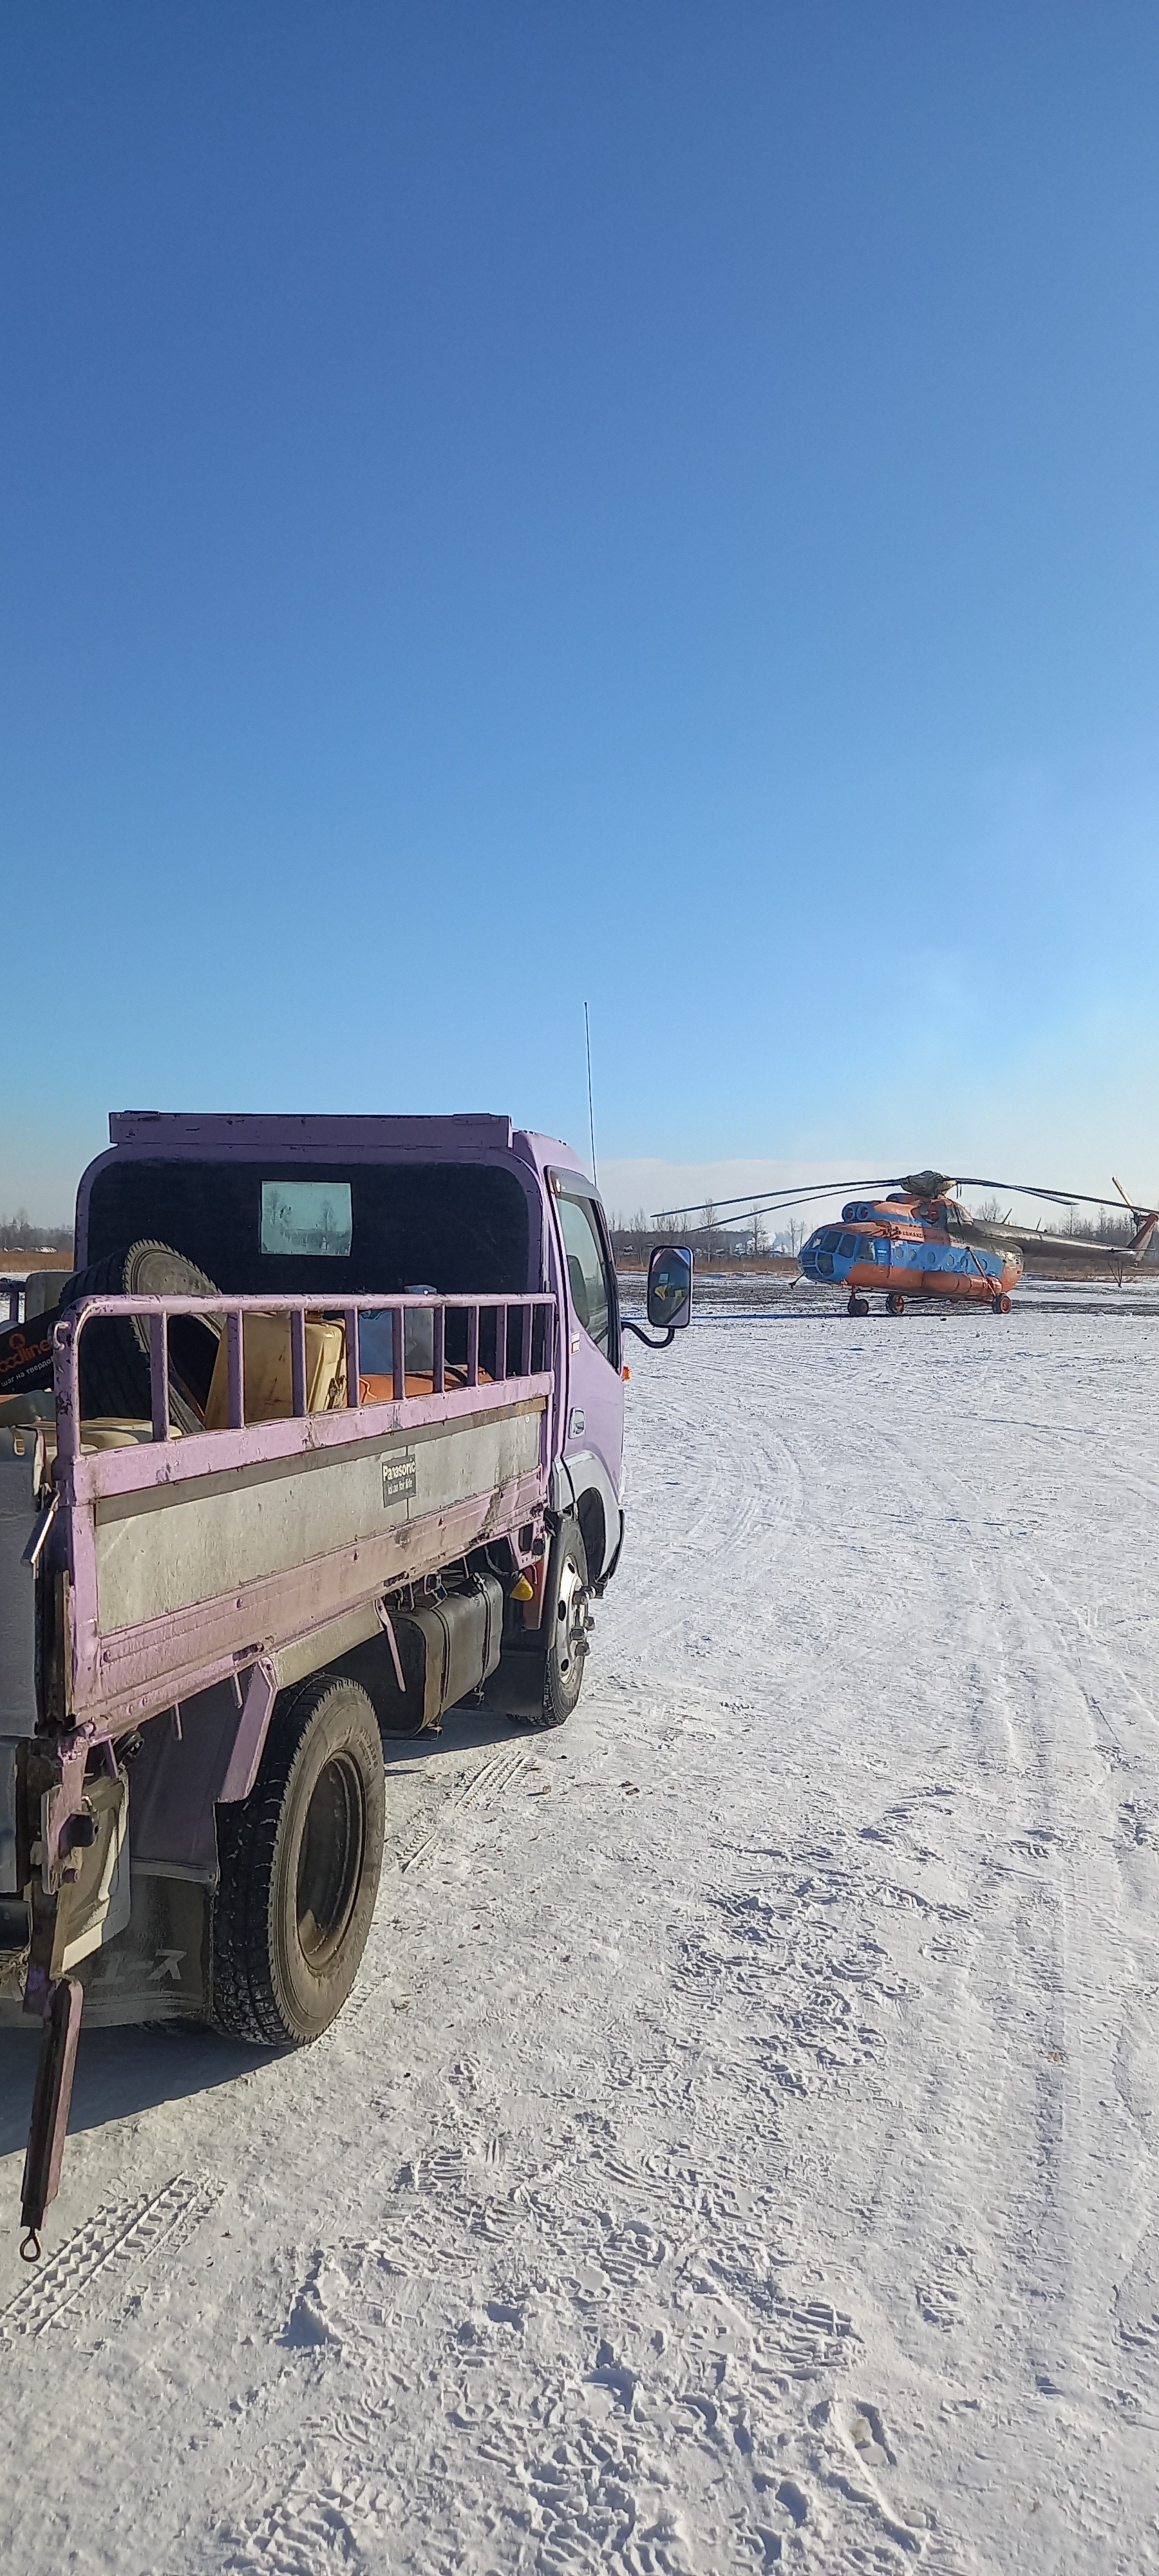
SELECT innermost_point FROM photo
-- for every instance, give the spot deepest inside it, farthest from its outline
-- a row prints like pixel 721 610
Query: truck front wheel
pixel 567 1642
pixel 539 1675
pixel 299 1863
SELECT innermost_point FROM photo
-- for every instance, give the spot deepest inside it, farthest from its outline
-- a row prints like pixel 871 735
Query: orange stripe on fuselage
pixel 909 1281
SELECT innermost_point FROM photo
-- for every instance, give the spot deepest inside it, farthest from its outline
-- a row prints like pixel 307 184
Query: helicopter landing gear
pixel 858 1306
pixel 1002 1304
pixel 895 1302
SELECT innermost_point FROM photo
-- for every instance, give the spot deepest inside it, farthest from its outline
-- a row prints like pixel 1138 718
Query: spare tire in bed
pixel 114 1351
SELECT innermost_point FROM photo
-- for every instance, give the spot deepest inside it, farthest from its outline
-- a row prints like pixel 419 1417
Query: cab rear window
pixel 312 1217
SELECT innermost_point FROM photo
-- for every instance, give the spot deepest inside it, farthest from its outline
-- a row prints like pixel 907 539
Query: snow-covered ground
pixel 741 2147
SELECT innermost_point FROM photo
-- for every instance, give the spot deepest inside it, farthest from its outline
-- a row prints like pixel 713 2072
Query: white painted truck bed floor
pixel 741 2146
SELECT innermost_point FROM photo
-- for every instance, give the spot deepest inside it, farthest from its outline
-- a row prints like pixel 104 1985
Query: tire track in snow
pixel 1056 2036
pixel 115 2240
pixel 731 1485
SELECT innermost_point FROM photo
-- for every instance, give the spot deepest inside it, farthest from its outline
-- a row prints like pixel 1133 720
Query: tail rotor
pixel 1146 1220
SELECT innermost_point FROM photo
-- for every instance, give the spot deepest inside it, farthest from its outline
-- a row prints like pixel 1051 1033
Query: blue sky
pixel 654 503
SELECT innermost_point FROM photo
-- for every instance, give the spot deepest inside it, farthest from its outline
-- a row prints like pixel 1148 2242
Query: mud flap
pixel 50 2108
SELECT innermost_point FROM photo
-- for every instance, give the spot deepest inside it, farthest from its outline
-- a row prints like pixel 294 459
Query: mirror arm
pixel 670 1335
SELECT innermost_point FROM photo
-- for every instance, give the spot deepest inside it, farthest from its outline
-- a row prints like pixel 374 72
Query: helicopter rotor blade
pixel 1035 1190
pixel 736 1211
pixel 789 1194
pixel 739 1217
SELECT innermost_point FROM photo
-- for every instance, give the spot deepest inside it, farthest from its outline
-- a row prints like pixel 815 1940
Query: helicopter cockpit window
pixel 847 1246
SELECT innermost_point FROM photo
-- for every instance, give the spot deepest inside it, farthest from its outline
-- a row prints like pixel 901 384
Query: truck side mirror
pixel 670 1287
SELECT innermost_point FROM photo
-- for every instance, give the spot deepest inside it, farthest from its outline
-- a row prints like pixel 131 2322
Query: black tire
pixel 299 1864
pixel 114 1352
pixel 567 1643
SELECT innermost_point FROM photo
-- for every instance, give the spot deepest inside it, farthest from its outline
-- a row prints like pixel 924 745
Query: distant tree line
pixel 19 1234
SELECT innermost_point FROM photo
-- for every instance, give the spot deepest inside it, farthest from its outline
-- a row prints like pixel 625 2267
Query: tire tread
pixel 244 2004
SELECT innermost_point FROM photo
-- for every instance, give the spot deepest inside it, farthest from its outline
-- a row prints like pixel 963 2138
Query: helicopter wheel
pixel 1002 1305
pixel 895 1302
pixel 858 1306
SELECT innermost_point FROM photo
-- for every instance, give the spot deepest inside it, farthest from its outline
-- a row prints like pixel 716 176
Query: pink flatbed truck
pixel 321 1438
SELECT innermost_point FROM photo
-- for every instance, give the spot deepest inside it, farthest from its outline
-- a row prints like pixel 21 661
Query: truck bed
pixel 183 1561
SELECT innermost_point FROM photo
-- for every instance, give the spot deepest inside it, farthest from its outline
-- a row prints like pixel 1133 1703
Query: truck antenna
pixel 591 1108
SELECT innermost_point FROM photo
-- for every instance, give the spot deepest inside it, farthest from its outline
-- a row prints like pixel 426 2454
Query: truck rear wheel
pixel 299 1863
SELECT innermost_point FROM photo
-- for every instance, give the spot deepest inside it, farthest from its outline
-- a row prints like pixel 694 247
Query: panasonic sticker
pixel 398 1476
